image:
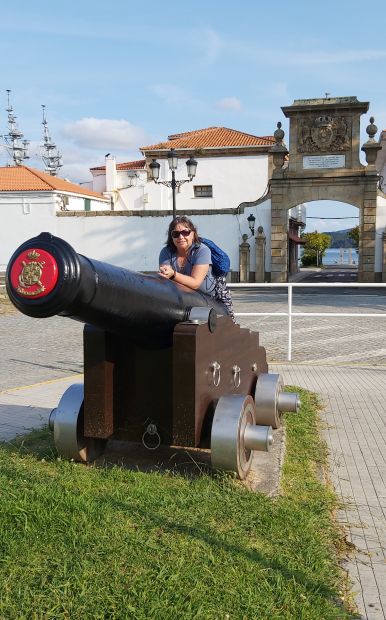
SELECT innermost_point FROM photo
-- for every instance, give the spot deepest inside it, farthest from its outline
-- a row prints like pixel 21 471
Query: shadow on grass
pixel 38 443
pixel 218 544
pixel 187 462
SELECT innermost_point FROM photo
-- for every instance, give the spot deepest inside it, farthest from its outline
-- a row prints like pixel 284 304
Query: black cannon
pixel 162 364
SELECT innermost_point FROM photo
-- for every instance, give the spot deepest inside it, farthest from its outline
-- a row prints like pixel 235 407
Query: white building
pixel 30 200
pixel 231 181
pixel 121 216
pixel 233 167
pixel 381 161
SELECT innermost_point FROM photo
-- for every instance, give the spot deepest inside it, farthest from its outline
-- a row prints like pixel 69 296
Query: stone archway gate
pixel 324 165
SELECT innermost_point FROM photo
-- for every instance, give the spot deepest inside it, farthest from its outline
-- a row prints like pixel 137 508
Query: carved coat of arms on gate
pixel 324 133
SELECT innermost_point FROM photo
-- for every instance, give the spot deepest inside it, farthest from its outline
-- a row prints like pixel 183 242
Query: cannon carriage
pixel 162 364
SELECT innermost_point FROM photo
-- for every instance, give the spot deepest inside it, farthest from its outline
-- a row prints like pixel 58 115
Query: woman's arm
pixel 193 281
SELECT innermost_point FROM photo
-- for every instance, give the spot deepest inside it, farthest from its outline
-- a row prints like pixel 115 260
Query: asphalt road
pixel 35 350
pixel 333 274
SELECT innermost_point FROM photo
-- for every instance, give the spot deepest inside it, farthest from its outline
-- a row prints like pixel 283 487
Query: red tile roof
pixel 129 165
pixel 211 137
pixel 25 179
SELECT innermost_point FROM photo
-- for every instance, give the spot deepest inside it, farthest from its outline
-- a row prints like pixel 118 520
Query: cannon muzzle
pixel 46 277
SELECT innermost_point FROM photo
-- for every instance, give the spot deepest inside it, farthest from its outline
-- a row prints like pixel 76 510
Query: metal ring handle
pixel 236 375
pixel 151 430
pixel 216 369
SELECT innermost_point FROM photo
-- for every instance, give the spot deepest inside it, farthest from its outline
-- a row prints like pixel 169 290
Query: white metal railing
pixel 289 313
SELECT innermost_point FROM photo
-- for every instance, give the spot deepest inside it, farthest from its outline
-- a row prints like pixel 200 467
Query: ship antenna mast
pixel 50 154
pixel 14 144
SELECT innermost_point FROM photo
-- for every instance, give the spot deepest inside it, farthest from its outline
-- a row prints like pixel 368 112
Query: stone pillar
pixel 245 260
pixel 366 268
pixel 279 213
pixel 366 271
pixel 384 256
pixel 279 239
pixel 260 255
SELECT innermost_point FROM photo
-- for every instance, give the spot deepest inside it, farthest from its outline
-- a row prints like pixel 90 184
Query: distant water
pixel 332 257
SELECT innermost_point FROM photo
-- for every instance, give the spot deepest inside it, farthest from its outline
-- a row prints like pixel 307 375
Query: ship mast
pixel 50 154
pixel 14 144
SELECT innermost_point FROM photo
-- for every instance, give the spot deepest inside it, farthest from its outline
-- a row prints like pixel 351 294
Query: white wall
pixel 234 180
pixel 381 161
pixel 23 218
pixel 135 242
pixel 25 215
pixel 380 229
pixel 77 203
pixel 132 242
pixel 98 183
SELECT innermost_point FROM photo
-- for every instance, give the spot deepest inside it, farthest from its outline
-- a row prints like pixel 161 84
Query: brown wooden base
pixel 128 387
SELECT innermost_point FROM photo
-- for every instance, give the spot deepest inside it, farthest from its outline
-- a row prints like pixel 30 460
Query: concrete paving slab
pixel 355 432
pixel 26 408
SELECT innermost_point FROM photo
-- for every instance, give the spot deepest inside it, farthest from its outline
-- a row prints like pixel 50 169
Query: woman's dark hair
pixel 181 219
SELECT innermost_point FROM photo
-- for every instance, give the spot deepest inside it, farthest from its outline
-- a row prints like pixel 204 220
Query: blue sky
pixel 118 75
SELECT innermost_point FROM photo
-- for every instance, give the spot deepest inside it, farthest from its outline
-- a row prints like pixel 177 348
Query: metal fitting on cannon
pixel 235 434
pixel 271 401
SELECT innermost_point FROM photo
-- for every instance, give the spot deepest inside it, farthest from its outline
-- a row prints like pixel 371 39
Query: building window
pixel 87 204
pixel 203 191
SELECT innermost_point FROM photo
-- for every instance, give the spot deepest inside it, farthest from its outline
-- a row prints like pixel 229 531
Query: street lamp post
pixel 251 223
pixel 191 166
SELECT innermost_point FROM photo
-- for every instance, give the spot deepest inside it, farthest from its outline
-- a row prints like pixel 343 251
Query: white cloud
pixel 229 103
pixel 77 162
pixel 103 133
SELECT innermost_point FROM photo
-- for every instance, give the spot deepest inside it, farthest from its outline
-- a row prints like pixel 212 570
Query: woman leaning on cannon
pixel 186 260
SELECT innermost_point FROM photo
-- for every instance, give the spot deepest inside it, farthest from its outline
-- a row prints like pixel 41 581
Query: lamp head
pixel 172 159
pixel 251 223
pixel 191 165
pixel 154 170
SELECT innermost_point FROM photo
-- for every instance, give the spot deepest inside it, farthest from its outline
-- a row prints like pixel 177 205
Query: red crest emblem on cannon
pixel 34 273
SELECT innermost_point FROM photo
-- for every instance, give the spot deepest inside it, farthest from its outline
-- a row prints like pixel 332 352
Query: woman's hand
pixel 193 281
pixel 166 271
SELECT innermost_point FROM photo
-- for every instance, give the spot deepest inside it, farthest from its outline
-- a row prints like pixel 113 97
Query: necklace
pixel 181 262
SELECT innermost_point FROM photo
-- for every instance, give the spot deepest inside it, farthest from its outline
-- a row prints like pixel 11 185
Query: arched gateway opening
pixel 335 219
pixel 324 164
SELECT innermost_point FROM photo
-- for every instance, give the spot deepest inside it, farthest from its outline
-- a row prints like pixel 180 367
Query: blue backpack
pixel 220 260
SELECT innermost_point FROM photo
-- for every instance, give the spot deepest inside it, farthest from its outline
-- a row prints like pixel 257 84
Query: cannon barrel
pixel 46 277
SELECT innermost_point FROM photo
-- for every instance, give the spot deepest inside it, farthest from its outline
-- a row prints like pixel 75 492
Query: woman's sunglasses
pixel 176 233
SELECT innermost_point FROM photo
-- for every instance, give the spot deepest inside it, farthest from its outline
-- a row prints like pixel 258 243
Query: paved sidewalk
pixel 355 416
pixel 26 408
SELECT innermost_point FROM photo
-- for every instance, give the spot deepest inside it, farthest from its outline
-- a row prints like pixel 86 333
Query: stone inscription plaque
pixel 324 161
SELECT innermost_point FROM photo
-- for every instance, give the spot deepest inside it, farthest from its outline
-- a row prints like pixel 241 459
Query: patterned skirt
pixel 223 295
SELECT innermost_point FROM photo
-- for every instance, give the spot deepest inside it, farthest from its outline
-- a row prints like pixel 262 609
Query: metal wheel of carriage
pixel 66 421
pixel 271 401
pixel 235 434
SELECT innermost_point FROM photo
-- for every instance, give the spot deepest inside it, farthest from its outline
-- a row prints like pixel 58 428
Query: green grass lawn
pixel 80 542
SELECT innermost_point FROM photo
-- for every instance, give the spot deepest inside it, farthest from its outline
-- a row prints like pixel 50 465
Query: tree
pixel 353 234
pixel 315 247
